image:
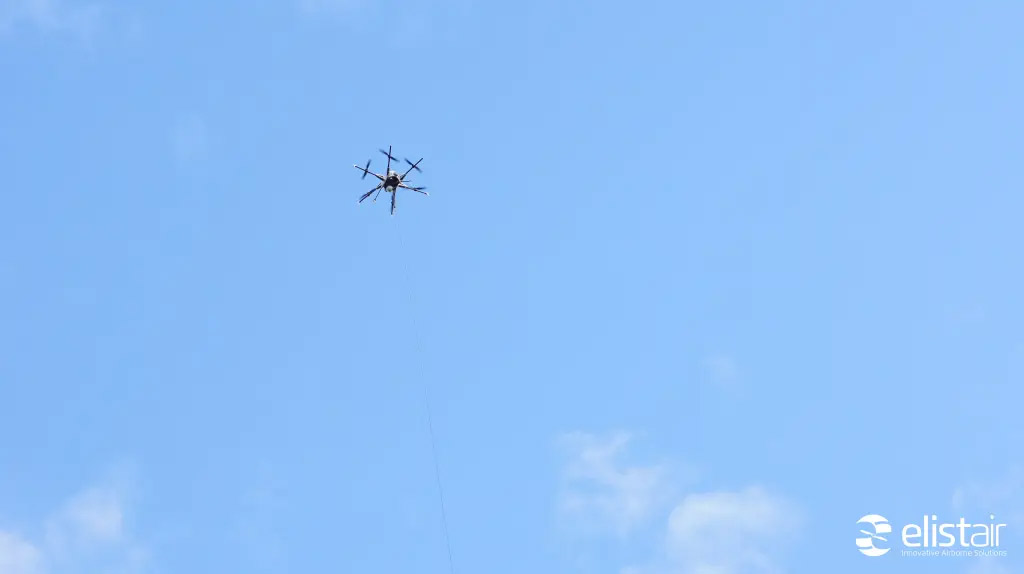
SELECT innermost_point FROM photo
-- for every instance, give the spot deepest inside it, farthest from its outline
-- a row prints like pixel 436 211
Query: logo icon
pixel 876 534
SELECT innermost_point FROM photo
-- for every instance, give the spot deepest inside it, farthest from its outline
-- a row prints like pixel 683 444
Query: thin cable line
pixel 426 397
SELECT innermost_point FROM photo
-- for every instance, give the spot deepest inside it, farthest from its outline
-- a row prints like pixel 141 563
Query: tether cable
pixel 426 396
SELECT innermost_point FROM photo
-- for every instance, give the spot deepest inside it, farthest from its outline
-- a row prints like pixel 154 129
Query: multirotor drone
pixel 391 182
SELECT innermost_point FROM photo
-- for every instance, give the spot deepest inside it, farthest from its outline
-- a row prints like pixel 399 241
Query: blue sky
pixel 698 284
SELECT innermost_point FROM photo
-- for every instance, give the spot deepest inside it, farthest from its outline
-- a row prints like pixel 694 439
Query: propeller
pixel 413 165
pixel 366 169
pixel 389 155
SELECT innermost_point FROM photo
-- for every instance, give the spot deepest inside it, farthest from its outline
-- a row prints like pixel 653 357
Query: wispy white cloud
pixel 86 534
pixel 90 519
pixel 731 532
pixel 601 492
pixel 50 16
pixel 18 556
pixel 743 531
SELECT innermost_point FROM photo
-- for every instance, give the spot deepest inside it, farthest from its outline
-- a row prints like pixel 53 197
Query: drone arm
pixel 368 172
pixel 367 194
pixel 419 189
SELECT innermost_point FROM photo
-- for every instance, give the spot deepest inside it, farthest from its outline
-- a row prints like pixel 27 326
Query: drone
pixel 392 181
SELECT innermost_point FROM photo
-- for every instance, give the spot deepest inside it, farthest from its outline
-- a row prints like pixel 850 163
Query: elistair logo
pixel 879 528
pixel 932 538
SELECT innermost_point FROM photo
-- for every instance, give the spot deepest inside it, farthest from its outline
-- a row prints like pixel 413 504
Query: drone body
pixel 391 182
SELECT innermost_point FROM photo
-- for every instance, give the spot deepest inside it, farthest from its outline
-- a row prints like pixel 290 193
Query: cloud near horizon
pixel 85 535
pixel 744 531
pixel 600 493
pixel 731 532
pixel 18 556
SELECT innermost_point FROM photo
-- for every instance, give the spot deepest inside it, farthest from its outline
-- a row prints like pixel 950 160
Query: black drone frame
pixel 398 181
